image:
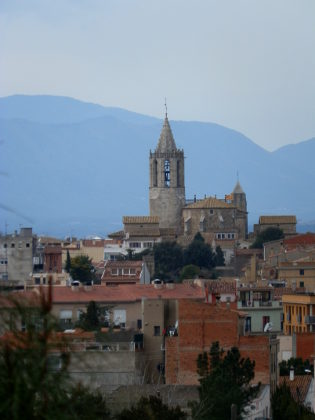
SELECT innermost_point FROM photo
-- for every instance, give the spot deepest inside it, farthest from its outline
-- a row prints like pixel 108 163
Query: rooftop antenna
pixel 165 108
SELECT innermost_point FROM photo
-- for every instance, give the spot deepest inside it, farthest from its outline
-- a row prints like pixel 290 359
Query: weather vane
pixel 165 108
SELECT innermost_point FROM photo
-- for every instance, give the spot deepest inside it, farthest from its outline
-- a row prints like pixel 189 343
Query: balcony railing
pixel 309 319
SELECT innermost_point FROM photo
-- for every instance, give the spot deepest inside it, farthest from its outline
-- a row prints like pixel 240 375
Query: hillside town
pixel 136 310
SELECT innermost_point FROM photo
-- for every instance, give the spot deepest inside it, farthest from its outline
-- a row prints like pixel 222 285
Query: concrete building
pixel 125 272
pixel 16 257
pixel 261 307
pixel 298 313
pixel 286 223
pixel 298 274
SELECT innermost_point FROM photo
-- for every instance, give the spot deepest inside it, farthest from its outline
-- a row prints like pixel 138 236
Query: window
pixel 120 317
pixel 302 272
pixel 37 280
pixel 248 324
pixel 265 320
pixel 44 280
pixel 135 244
pixel 139 324
pixel 27 245
pixel 12 245
pixel 147 244
pixel 65 316
pixel 178 173
pixel 5 245
pixel 114 272
pixel 167 177
pixel 132 271
pixel 155 173
pixel 301 283
pixel 211 211
pixel 157 330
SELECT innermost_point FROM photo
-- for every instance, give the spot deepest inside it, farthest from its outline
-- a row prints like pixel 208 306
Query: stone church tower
pixel 167 184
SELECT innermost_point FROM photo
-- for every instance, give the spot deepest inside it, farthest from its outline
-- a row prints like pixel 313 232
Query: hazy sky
pixel 245 64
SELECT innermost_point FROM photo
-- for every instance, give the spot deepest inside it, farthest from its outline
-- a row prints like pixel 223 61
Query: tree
pixel 219 256
pixel 28 388
pixel 68 262
pixel 298 365
pixel 284 407
pixel 224 380
pixel 189 272
pixel 31 385
pixel 91 320
pixel 267 235
pixel 168 258
pixel 151 408
pixel 85 404
pixel 82 269
pixel 199 253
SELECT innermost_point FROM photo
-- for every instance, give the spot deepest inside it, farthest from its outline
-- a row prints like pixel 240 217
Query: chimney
pixel 291 373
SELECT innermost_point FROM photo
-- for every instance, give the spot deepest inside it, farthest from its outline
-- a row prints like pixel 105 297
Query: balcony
pixel 259 304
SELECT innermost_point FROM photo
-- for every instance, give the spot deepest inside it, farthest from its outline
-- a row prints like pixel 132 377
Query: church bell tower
pixel 167 183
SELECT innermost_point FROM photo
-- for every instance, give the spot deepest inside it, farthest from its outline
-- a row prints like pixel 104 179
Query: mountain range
pixel 69 167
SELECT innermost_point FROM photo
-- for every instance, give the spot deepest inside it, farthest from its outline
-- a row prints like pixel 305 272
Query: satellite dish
pixel 268 327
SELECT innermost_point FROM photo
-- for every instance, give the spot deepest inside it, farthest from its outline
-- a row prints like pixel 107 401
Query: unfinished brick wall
pixel 305 346
pixel 199 325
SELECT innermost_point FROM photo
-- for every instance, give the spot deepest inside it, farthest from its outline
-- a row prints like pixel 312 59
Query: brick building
pixel 199 325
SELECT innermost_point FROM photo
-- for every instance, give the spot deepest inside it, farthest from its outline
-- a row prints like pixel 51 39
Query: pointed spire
pixel 238 189
pixel 166 141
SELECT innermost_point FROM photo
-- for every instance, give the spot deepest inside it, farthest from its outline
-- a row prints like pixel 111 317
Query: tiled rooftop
pixel 267 220
pixel 209 203
pixel 141 219
pixel 302 382
pixel 125 293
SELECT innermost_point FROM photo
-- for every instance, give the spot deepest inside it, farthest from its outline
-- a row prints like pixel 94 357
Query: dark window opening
pixel 157 330
pixel 301 283
pixel 302 272
pixel 248 324
pixel 139 324
pixel 155 173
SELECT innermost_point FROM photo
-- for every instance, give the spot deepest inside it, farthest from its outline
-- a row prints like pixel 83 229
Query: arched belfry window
pixel 167 175
pixel 178 173
pixel 154 173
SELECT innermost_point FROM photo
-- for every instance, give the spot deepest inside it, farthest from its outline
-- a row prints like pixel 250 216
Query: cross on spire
pixel 165 108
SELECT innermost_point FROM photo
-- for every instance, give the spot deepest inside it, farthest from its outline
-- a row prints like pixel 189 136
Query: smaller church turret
pixel 167 184
pixel 239 200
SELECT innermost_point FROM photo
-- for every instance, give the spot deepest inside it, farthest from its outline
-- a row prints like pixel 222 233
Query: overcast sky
pixel 245 64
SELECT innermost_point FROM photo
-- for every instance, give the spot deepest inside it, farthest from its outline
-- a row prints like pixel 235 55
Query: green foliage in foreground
pixel 298 365
pixel 267 235
pixel 284 407
pixel 151 408
pixel 224 380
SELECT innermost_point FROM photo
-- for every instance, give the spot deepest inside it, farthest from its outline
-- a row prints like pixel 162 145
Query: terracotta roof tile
pixel 302 382
pixel 125 293
pixel 267 220
pixel 209 203
pixel 141 219
pixel 305 239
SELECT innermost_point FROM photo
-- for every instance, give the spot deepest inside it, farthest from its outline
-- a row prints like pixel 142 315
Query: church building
pixel 172 217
